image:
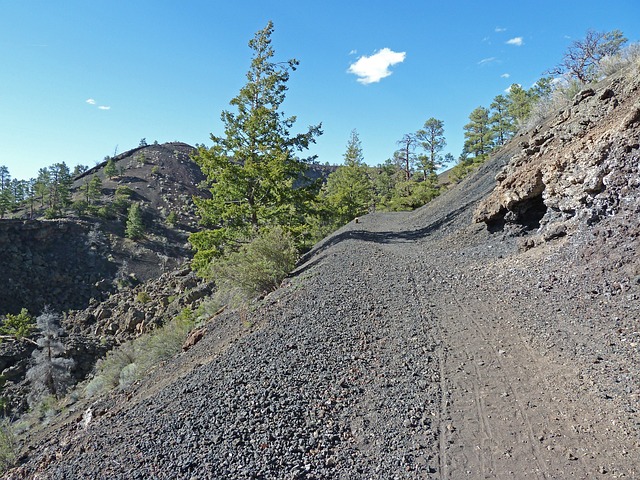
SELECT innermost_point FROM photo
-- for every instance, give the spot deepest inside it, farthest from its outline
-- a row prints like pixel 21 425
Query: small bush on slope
pixel 257 268
pixel 8 447
pixel 131 360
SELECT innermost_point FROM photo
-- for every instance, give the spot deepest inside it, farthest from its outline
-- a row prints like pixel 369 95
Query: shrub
pixel 129 362
pixel 8 446
pixel 143 297
pixel 257 268
pixel 172 219
pixel 19 326
pixel 135 227
pixel 124 191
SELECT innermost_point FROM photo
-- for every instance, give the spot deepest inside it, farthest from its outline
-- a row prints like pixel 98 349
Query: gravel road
pixel 412 345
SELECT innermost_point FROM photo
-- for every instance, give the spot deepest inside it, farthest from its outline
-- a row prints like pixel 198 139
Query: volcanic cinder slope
pixel 491 334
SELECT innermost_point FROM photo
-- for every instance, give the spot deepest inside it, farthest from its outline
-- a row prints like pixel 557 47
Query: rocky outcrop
pixel 134 311
pixel 577 168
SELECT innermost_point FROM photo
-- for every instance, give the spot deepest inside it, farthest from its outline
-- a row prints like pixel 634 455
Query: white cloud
pixel 353 52
pixel 374 68
pixel 102 107
pixel 517 41
pixel 505 75
pixel 487 61
pixel 90 101
pixel 500 29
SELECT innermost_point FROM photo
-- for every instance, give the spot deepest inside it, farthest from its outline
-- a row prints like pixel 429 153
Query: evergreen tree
pixel 135 227
pixel 348 192
pixel 251 170
pixel 406 157
pixel 93 189
pixel 41 187
pixel 110 169
pixel 502 122
pixel 431 138
pixel 79 170
pixel 59 189
pixel 478 134
pixel 6 200
pixel 519 103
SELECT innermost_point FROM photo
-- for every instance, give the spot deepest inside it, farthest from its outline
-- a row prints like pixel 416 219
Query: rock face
pixel 579 167
pixel 134 311
pixel 54 263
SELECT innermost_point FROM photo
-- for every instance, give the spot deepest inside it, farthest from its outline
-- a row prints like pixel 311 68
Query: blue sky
pixel 164 69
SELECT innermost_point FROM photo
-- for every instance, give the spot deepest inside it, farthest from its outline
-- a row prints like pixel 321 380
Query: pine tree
pixel 349 191
pixel 502 122
pixel 110 169
pixel 405 157
pixel 431 138
pixel 135 227
pixel 251 170
pixel 59 189
pixel 478 134
pixel 6 200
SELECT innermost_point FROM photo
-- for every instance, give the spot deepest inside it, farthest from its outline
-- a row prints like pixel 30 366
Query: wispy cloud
pixel 505 75
pixel 517 41
pixel 372 69
pixel 353 52
pixel 500 29
pixel 487 61
pixel 92 101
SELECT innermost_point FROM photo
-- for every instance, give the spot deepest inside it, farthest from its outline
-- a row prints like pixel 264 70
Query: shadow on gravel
pixel 379 237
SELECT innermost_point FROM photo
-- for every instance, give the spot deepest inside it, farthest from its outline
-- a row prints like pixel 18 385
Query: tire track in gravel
pixel 512 409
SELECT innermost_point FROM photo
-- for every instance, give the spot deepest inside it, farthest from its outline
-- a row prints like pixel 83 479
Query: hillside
pixel 490 334
pixel 87 256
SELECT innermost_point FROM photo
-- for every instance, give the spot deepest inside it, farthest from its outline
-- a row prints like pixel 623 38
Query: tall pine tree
pixel 349 190
pixel 252 169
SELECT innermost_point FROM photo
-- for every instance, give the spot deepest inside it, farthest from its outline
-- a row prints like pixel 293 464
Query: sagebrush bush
pixel 127 363
pixel 257 268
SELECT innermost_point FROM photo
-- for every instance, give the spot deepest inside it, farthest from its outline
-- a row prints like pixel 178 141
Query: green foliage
pixel 134 359
pixel 135 228
pixel 8 446
pixel 502 122
pixel 478 134
pixel 18 326
pixel 110 169
pixel 172 219
pixel 348 192
pixel 431 138
pixel 251 170
pixel 93 189
pixel 80 206
pixel 143 297
pixel 58 189
pixel 155 171
pixel 124 191
pixel 257 268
